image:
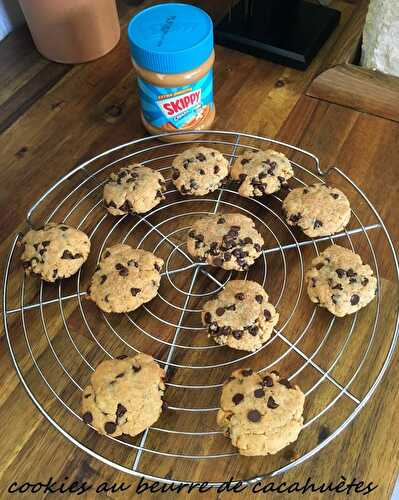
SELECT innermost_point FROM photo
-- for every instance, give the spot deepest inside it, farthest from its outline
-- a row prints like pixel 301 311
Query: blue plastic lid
pixel 171 37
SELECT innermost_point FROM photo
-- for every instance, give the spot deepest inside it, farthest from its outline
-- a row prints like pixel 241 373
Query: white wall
pixel 10 16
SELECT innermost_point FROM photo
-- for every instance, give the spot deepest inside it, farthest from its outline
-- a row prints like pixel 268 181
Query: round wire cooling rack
pixel 56 338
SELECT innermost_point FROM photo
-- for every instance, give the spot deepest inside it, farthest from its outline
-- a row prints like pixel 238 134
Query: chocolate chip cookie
pixel 124 396
pixel 134 189
pixel 261 172
pixel 340 282
pixel 54 251
pixel 125 279
pixel 229 241
pixel 241 316
pixel 260 413
pixel 319 210
pixel 199 171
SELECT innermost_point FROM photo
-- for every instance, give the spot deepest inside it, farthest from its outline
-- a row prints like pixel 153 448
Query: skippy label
pixel 176 107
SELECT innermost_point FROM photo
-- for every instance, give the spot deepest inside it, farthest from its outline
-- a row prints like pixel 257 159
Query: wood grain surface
pixel 359 88
pixel 52 118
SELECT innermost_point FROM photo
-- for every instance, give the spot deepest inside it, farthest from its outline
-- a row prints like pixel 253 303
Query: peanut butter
pixel 173 57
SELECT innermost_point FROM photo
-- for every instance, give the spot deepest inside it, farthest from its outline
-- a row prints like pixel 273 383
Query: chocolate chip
pixel 119 266
pixel 352 280
pixel 271 403
pixel 110 427
pixel 335 195
pixel 64 228
pixel 201 172
pixel 237 334
pixel 253 330
pixel 87 396
pixel 218 261
pixel 106 298
pixel 157 267
pixel 200 157
pixel 194 184
pixel 225 330
pixel 355 299
pixel 340 272
pixel 259 393
pixel 257 247
pixel 55 272
pixel 106 254
pixel 227 256
pixel 87 418
pixel 254 416
pixel 220 311
pixel 120 411
pixel 295 218
pixel 237 398
pixel 103 279
pixel 242 177
pixel 186 163
pixel 136 368
pixel 317 223
pixel 244 161
pixel 364 281
pixel 240 296
pixel 338 286
pixel 313 282
pixel 124 271
pixel 247 372
pixel 267 314
pixel 120 375
pixel 208 317
pixel 350 273
pixel 259 299
pixel 216 169
pixel 175 174
pixel 199 237
pixel 286 383
pixel 221 220
pixel 334 299
pixel 191 234
pixel 67 255
pixel 135 291
pixel 319 266
pixel 122 356
pixel 267 381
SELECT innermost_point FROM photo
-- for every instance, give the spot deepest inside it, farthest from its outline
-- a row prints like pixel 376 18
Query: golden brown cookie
pixel 260 413
pixel 124 396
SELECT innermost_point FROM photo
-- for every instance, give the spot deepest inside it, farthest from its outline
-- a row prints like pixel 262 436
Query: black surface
pixel 288 32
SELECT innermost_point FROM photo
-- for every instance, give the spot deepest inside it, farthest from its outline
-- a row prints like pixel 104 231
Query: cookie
pixel 134 189
pixel 199 171
pixel 241 316
pixel 260 413
pixel 54 251
pixel 125 279
pixel 229 241
pixel 261 172
pixel 124 396
pixel 319 210
pixel 340 282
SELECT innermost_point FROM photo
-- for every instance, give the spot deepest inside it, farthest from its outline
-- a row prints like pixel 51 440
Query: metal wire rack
pixel 337 362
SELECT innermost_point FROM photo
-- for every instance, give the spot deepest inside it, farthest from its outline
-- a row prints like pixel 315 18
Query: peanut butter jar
pixel 172 53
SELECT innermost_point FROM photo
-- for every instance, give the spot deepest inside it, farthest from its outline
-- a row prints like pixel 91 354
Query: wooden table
pixel 53 116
